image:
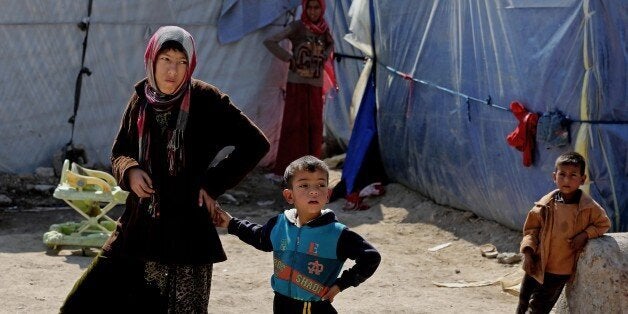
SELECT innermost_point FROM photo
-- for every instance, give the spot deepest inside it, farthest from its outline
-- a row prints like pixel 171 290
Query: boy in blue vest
pixel 309 245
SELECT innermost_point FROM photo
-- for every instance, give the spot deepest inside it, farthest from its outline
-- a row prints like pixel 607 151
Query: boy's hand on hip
pixel 579 241
pixel 208 201
pixel 331 294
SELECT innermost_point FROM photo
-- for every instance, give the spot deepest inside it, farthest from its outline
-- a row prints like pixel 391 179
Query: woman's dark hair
pixel 171 45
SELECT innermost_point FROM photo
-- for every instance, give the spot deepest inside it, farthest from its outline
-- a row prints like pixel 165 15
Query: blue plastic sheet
pixel 447 72
pixel 241 17
pixel 360 141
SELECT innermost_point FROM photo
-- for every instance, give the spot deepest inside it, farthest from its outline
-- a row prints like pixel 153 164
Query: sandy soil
pixel 401 224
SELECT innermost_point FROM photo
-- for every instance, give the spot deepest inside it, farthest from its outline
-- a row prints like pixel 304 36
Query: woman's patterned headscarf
pixel 162 102
pixel 318 28
pixel 162 35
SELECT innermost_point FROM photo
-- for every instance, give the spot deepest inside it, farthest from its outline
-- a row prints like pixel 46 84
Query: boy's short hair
pixel 308 163
pixel 572 159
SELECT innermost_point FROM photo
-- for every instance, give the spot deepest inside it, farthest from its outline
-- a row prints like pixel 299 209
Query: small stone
pixel 508 258
pixel 227 198
pixel 265 203
pixel 469 215
pixel 26 176
pixel 490 254
pixel 5 200
pixel 41 187
pixel 239 194
pixel 45 172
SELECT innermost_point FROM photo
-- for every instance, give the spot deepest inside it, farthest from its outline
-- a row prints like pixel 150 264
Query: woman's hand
pixel 140 183
pixel 210 203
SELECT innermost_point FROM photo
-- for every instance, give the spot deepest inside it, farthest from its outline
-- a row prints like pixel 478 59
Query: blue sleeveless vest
pixel 305 260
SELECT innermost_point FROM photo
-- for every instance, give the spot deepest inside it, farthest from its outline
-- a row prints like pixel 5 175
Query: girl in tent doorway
pixel 302 122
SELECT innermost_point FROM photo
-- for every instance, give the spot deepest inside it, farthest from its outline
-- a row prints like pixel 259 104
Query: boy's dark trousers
pixel 285 305
pixel 544 296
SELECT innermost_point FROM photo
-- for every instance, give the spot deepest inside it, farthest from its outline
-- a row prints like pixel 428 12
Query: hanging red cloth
pixel 523 137
pixel 329 74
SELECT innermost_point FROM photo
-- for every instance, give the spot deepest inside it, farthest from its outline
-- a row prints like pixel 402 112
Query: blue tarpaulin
pixel 241 17
pixel 447 72
pixel 361 140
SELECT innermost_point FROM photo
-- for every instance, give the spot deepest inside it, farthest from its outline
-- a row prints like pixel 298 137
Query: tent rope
pixel 488 100
pixel 83 26
pixel 467 97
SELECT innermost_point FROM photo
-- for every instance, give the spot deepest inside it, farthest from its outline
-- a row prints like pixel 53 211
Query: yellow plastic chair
pixel 92 193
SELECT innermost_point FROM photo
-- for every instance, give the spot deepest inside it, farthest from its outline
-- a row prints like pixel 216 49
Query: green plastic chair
pixel 92 193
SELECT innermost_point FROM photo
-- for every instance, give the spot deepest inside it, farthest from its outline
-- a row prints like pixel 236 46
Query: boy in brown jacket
pixel 555 231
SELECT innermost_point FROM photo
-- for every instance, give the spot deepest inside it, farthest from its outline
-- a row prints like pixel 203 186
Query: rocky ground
pixel 423 246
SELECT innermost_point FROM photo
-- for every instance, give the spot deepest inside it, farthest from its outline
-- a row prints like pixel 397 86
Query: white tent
pixel 43 48
pixel 445 73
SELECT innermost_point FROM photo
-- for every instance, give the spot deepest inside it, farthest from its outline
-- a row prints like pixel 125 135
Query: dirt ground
pixel 401 224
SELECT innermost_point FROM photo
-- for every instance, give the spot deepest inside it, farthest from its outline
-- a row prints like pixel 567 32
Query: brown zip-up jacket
pixel 537 229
